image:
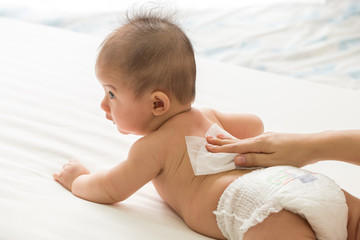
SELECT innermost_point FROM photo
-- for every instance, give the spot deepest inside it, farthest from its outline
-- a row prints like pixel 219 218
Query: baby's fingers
pixel 56 176
pixel 63 179
pixel 59 177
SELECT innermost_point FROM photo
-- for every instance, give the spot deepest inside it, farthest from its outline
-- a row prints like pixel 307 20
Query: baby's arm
pixel 115 184
pixel 70 171
pixel 239 125
pixel 76 178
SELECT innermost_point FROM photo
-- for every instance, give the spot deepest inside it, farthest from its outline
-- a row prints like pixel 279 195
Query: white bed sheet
pixel 49 112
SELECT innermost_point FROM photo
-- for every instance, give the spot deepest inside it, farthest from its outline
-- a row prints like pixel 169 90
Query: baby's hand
pixel 69 173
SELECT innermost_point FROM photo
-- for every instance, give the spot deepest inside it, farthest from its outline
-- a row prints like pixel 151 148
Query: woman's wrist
pixel 316 147
pixel 324 145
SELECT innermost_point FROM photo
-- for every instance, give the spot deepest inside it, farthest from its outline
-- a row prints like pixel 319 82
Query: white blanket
pixel 50 112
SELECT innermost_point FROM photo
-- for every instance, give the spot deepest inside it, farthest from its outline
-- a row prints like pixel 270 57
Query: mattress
pixel 50 112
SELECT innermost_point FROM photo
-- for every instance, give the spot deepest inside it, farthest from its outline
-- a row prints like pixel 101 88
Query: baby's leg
pixel 287 225
pixel 353 217
pixel 283 225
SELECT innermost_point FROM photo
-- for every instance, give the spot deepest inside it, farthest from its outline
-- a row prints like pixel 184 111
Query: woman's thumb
pixel 252 160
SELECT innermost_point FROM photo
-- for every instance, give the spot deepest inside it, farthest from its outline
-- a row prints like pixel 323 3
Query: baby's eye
pixel 111 95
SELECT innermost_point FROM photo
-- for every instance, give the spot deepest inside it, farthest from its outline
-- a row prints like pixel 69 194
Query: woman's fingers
pixel 255 160
pixel 220 141
pixel 233 146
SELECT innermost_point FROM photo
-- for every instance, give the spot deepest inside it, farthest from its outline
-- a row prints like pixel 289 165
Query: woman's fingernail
pixel 209 146
pixel 240 160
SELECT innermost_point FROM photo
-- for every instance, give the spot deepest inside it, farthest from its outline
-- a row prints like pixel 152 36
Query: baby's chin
pixel 131 133
pixel 123 132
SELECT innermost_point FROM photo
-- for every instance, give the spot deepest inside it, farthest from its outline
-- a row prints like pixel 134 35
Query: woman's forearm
pixel 271 149
pixel 341 145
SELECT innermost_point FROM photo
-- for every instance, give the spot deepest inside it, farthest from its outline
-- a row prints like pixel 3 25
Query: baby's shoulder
pixel 196 116
pixel 146 148
pixel 210 114
pixel 193 123
pixel 152 144
pixel 146 142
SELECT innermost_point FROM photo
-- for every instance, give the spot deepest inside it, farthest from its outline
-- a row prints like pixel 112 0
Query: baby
pixel 147 69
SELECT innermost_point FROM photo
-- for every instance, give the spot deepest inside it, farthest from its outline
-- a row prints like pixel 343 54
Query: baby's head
pixel 148 71
pixel 150 52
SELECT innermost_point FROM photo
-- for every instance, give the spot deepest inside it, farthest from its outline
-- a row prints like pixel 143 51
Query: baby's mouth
pixel 108 117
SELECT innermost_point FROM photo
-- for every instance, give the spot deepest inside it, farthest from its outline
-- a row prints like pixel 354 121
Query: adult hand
pixel 268 149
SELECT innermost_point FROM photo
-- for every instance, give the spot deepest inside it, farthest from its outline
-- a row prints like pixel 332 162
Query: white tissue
pixel 204 162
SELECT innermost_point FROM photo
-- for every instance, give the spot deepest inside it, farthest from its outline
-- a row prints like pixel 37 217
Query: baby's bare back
pixel 193 198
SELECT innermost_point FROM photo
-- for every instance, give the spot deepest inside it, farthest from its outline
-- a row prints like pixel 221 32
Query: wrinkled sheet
pixel 50 112
pixel 318 41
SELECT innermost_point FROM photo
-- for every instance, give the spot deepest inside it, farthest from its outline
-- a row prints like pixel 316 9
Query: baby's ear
pixel 161 103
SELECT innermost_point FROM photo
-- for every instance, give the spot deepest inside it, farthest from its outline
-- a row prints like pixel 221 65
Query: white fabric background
pixel 49 112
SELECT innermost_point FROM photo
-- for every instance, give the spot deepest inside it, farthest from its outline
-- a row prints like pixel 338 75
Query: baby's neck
pixel 171 114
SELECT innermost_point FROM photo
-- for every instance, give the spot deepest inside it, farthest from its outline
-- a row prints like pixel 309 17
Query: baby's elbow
pixel 258 126
pixel 114 195
pixel 261 126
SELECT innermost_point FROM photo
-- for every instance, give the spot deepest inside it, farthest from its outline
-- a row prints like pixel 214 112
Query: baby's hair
pixel 151 52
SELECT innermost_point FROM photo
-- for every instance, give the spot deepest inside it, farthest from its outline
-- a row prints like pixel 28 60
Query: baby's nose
pixel 104 106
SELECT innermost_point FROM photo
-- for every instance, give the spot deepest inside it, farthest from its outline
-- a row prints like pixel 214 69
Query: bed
pixel 50 112
pixel 313 40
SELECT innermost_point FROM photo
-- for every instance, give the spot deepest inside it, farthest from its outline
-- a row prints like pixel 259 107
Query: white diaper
pixel 251 198
pixel 204 162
